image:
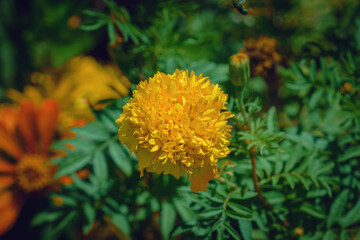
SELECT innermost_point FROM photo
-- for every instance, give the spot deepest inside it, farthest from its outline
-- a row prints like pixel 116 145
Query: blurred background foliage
pixel 298 116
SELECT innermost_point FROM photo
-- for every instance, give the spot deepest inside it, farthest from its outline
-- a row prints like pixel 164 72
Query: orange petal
pixel 200 177
pixel 9 209
pixel 6 167
pixel 9 145
pixel 47 123
pixel 6 181
pixel 9 118
pixel 27 125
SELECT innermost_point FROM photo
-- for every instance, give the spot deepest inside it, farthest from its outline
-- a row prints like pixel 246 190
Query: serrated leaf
pixel 183 209
pixel 119 157
pixel 100 166
pixel 232 231
pixel 351 153
pixel 167 219
pixel 291 180
pixel 111 32
pixel 65 221
pixel 121 222
pixel 315 98
pixel 45 217
pixel 311 210
pixel 329 235
pixel 209 213
pixel 90 214
pixel 271 120
pixel 236 215
pixel 92 27
pixel 95 131
pixel 245 229
pixel 344 235
pixel 337 208
pixel 243 196
pixel 72 163
pixel 352 216
pixel 239 209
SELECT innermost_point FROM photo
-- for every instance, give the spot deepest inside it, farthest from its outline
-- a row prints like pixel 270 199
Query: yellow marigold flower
pixel 80 82
pixel 177 124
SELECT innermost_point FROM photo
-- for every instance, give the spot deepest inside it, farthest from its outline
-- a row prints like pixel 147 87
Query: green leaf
pixel 209 213
pixel 96 14
pixel 65 221
pixel 45 217
pixel 92 27
pixel 167 219
pixel 329 235
pixel 307 140
pixel 351 153
pixel 72 163
pixel 183 209
pixel 337 208
pixel 344 235
pixel 315 98
pixel 291 180
pixel 90 214
pixel 232 231
pixel 311 210
pixel 95 131
pixel 239 209
pixel 121 222
pixel 111 32
pixel 100 166
pixel 236 215
pixel 271 120
pixel 242 196
pixel 352 217
pixel 245 229
pixel 119 157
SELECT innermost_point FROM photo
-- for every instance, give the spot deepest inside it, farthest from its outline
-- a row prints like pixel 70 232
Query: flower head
pixel 26 134
pixel 74 87
pixel 175 124
pixel 263 53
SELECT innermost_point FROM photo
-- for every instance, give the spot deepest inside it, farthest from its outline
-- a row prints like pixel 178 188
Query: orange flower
pixel 263 53
pixel 26 134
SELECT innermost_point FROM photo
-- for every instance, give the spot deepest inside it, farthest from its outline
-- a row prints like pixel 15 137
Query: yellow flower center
pixel 33 174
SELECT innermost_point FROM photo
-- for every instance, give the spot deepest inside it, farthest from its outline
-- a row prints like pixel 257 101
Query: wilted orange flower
pixel 347 88
pixel 74 87
pixel 26 134
pixel 177 124
pixel 263 53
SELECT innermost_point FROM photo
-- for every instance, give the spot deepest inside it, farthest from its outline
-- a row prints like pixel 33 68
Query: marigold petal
pixel 126 135
pixel 200 177
pixel 144 157
pixel 167 168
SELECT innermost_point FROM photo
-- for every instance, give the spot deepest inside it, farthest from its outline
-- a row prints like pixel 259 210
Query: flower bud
pixel 239 69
